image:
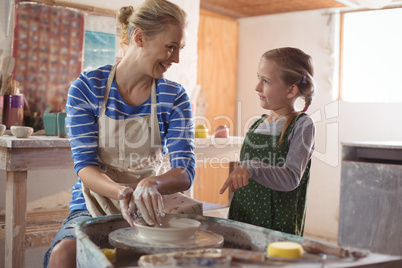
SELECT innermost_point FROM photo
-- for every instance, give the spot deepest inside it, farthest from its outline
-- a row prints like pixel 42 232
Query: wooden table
pixel 18 156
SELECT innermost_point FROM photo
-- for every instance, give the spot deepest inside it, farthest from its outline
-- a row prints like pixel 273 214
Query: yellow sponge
pixel 110 254
pixel 285 250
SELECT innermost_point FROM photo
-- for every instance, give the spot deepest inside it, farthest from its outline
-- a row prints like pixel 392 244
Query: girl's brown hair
pixel 152 17
pixel 294 68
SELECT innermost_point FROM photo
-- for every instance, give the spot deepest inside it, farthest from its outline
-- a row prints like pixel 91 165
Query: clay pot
pixel 172 229
pixel 222 131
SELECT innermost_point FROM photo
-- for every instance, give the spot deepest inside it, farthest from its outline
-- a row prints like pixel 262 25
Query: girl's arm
pixel 286 178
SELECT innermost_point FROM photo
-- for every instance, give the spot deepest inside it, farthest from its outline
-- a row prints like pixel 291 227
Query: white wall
pixel 186 72
pixel 336 122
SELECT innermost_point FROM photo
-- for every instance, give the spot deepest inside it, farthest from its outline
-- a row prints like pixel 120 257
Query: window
pixel 371 56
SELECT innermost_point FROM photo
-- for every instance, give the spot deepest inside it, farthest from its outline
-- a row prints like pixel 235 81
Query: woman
pixel 122 119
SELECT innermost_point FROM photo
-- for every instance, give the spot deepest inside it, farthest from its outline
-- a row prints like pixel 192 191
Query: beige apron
pixel 130 150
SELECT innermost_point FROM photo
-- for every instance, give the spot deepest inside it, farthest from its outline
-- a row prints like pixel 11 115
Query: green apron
pixel 262 206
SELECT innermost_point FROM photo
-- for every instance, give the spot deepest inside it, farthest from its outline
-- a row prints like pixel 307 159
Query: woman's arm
pixel 99 182
pixel 173 181
pixel 82 115
pixel 180 145
pixel 82 110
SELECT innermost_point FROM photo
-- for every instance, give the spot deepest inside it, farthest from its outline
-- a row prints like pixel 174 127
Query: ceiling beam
pixel 221 10
pixel 348 3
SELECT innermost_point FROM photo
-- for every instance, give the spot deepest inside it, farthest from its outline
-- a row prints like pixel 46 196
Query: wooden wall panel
pixel 217 75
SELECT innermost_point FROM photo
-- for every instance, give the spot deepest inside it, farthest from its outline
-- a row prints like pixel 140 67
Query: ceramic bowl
pixel 173 229
pixel 2 129
pixel 21 132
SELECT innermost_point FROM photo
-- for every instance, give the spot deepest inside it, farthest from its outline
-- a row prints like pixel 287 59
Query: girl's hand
pixel 238 178
pixel 127 205
pixel 149 202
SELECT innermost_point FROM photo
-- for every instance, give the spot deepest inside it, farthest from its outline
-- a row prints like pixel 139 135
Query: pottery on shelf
pixel 201 131
pixel 2 129
pixel 21 132
pixel 222 131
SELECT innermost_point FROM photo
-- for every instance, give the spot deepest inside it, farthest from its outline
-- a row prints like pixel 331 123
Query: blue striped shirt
pixel 84 102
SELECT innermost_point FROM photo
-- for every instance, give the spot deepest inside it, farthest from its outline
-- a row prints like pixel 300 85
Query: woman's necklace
pixel 280 117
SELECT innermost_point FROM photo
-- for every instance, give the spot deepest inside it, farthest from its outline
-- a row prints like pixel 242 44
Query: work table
pixel 92 235
pixel 18 156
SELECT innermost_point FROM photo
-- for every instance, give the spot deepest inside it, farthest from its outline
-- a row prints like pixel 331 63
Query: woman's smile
pixel 165 67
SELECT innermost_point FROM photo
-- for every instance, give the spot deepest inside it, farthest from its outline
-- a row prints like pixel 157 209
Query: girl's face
pixel 271 90
pixel 161 50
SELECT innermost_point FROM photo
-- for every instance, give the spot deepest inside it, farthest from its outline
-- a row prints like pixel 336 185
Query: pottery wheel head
pixel 128 239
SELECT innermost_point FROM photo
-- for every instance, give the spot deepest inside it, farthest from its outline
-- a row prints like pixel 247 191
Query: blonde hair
pixel 294 68
pixel 152 16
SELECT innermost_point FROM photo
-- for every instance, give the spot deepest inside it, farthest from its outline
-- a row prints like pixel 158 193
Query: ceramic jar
pixel 222 131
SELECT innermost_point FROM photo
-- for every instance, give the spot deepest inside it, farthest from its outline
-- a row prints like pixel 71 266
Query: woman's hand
pixel 238 178
pixel 149 202
pixel 127 205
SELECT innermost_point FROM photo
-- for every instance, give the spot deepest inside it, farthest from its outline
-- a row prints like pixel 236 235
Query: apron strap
pixel 257 123
pixel 108 87
pixel 156 139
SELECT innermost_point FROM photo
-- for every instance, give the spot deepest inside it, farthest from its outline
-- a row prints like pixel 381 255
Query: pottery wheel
pixel 128 239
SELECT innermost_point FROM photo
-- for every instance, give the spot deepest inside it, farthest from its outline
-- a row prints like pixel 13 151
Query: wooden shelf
pixel 41 228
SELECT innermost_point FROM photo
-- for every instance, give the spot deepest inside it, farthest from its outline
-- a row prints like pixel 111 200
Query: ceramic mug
pixel 50 124
pixel 61 125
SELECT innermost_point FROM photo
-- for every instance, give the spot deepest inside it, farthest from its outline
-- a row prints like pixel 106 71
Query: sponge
pixel 110 254
pixel 285 250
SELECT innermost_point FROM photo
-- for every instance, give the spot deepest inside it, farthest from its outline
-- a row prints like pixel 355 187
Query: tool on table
pixel 6 76
pixel 1 54
pixel 315 252
pixel 316 247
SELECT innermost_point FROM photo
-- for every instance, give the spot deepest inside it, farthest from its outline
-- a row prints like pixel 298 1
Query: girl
pixel 270 182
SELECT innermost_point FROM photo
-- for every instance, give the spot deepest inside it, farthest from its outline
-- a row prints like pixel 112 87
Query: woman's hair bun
pixel 125 14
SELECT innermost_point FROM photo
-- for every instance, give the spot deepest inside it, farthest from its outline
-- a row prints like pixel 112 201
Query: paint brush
pixel 6 70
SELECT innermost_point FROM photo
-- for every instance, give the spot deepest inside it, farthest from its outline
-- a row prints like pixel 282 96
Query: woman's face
pixel 272 91
pixel 163 49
